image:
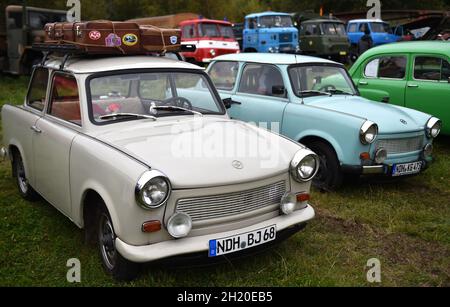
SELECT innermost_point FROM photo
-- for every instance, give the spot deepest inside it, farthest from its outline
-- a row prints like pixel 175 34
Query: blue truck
pixel 380 31
pixel 270 32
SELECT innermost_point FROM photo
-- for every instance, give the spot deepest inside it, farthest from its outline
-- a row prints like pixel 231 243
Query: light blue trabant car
pixel 315 102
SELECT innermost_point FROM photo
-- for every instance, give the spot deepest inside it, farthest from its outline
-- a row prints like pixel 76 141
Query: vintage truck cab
pixel 270 32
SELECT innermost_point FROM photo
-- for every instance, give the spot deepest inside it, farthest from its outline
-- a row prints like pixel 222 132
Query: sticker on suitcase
pixel 130 39
pixel 95 35
pixel 112 40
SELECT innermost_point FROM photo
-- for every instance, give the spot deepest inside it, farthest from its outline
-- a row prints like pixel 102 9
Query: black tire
pixel 330 176
pixel 25 189
pixel 114 264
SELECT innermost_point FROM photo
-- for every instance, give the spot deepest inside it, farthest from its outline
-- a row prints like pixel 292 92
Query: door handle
pixel 36 129
pixel 413 85
pixel 363 83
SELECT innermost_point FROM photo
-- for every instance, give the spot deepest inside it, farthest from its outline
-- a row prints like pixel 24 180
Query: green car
pixel 410 74
pixel 325 38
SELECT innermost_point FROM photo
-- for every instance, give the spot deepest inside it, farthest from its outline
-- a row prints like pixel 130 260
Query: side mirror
pixel 448 79
pixel 228 102
pixel 385 99
pixel 278 90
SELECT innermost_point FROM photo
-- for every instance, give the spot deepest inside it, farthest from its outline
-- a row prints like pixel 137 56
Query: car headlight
pixel 179 225
pixel 433 127
pixel 368 133
pixel 212 52
pixel 304 166
pixel 152 190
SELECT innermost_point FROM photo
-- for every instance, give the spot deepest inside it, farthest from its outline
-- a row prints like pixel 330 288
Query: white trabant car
pixel 120 146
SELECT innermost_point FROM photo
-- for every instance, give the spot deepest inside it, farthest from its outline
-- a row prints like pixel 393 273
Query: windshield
pixel 381 28
pixel 333 29
pixel 141 93
pixel 209 30
pixel 226 31
pixel 275 21
pixel 320 80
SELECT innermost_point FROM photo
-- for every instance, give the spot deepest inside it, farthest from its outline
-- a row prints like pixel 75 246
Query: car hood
pixel 389 118
pixel 203 152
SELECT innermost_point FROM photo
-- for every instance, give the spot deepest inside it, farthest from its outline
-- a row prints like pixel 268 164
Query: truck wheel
pixel 329 176
pixel 117 266
pixel 25 189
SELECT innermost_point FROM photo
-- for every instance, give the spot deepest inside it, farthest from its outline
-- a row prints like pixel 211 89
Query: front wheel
pixel 330 175
pixel 117 266
pixel 25 189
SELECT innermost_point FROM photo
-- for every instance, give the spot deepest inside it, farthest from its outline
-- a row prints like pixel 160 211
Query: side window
pixel 252 23
pixel 371 70
pixel 352 28
pixel 188 31
pixel 427 68
pixel 392 67
pixel 224 75
pixel 38 89
pixel 261 80
pixel 65 101
pixel 14 20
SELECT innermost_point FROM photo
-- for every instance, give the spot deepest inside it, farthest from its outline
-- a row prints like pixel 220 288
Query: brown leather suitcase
pixel 107 37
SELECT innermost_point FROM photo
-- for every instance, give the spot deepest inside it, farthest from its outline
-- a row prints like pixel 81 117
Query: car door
pixel 261 96
pixel 53 139
pixel 428 88
pixel 251 34
pixel 384 79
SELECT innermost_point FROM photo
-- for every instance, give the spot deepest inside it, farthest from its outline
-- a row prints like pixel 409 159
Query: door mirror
pixel 228 102
pixel 278 90
pixel 448 79
pixel 385 99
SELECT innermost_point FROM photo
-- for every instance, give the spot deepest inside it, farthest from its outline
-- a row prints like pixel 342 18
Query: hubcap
pixel 106 240
pixel 23 183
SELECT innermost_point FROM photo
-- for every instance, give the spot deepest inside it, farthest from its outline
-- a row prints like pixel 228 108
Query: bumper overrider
pixel 192 245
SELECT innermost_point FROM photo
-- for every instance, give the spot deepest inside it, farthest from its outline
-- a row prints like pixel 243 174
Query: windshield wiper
pixel 174 109
pixel 336 91
pixel 116 115
pixel 301 93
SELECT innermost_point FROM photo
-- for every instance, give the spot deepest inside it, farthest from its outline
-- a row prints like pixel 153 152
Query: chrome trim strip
pixel 378 169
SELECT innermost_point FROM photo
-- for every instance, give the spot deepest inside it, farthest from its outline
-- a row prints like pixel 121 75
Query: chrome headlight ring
pixel 151 182
pixel 368 133
pixel 304 166
pixel 433 127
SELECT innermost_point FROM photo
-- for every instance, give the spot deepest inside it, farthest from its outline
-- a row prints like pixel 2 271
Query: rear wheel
pixel 117 266
pixel 330 175
pixel 25 189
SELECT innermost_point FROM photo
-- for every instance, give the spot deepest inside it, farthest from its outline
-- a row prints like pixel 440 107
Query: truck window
pixel 189 31
pixel 352 28
pixel 252 23
pixel 226 31
pixel 259 79
pixel 65 101
pixel 38 89
pixel 363 27
pixel 209 30
pixel 224 75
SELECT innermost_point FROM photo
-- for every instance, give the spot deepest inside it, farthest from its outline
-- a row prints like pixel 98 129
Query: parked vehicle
pixel 117 145
pixel 270 32
pixel 380 32
pixel 24 26
pixel 314 101
pixel 410 74
pixel 210 37
pixel 326 38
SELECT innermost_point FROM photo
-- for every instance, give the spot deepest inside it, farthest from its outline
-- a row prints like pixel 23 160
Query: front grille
pixel 398 146
pixel 285 37
pixel 226 205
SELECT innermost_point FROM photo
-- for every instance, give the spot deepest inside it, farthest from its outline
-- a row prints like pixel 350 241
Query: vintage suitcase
pixel 107 37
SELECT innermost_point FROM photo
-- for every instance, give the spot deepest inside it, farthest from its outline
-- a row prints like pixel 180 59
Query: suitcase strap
pixel 162 36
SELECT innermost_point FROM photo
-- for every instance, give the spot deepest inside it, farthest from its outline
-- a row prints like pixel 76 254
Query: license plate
pixel 343 53
pixel 241 242
pixel 406 169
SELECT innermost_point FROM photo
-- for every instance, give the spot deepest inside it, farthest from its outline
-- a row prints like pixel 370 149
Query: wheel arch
pixel 330 141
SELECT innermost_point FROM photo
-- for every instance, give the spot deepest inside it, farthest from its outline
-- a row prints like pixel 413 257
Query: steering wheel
pixel 180 102
pixel 327 88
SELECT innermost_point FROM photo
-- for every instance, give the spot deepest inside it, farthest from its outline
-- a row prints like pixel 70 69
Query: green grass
pixel 405 224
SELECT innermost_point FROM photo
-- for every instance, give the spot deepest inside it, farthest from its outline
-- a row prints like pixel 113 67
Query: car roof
pixel 204 20
pixel 411 47
pixel 366 20
pixel 272 58
pixel 268 13
pixel 322 20
pixel 113 63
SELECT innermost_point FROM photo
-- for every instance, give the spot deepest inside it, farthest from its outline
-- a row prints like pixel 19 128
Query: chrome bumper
pixel 4 154
pixel 191 245
pixel 373 170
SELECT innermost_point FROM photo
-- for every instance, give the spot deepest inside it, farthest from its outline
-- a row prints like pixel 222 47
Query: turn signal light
pixel 364 156
pixel 301 198
pixel 151 226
